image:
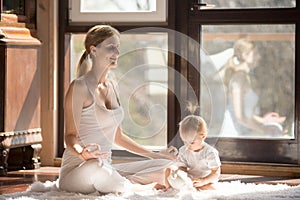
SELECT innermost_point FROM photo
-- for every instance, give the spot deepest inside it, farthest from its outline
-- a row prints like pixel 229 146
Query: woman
pixel 93 116
pixel 242 100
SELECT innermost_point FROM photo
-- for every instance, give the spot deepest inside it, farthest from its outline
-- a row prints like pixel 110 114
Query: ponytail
pixel 192 123
pixel 193 109
pixel 83 66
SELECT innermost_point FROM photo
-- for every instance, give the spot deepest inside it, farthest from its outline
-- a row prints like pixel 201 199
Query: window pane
pixel 119 11
pixel 255 64
pixel 14 7
pixel 118 6
pixel 240 4
pixel 143 84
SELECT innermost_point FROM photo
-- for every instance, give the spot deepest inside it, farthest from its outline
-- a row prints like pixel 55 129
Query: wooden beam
pixel 251 36
pixel 261 169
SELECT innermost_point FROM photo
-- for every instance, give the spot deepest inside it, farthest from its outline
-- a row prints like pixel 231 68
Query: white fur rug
pixel 224 190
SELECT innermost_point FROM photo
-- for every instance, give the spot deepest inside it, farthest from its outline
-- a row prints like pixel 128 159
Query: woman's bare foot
pixel 160 187
pixel 206 187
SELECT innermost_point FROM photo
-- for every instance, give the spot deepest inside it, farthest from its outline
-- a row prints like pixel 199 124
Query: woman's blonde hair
pixel 94 36
pixel 241 47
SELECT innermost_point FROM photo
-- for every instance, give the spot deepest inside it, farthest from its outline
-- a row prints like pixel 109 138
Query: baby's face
pixel 196 143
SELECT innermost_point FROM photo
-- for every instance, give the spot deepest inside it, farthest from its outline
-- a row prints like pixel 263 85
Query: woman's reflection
pixel 242 100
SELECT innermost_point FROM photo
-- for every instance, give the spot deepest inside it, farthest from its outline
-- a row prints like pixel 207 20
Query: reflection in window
pixel 240 4
pixel 255 64
pixel 142 82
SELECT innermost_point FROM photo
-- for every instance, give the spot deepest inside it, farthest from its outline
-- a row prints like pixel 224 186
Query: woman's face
pixel 107 53
pixel 249 57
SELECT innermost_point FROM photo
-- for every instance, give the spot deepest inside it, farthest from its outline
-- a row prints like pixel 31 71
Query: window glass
pixel 118 11
pixel 240 4
pixel 14 7
pixel 142 82
pixel 255 67
pixel 118 6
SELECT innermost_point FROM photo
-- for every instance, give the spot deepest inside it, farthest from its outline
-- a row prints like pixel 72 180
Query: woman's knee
pixel 111 182
pixel 82 178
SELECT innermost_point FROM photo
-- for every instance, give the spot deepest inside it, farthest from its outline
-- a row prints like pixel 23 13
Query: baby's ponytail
pixel 193 108
pixel 192 123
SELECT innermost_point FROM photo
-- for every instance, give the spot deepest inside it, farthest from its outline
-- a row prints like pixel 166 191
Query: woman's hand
pixel 271 117
pixel 272 122
pixel 169 153
pixel 92 151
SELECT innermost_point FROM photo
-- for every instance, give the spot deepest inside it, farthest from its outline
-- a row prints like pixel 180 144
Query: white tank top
pixel 97 125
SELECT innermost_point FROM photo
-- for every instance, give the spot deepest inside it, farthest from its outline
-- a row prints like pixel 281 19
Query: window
pixel 24 9
pixel 267 84
pixel 118 11
pixel 244 4
pixel 14 7
pixel 258 61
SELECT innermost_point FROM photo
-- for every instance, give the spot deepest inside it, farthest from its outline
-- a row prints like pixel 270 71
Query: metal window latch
pixel 201 5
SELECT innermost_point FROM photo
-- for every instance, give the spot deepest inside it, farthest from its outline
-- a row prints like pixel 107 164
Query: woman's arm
pixel 256 123
pixel 124 141
pixel 237 92
pixel 72 116
pixel 74 102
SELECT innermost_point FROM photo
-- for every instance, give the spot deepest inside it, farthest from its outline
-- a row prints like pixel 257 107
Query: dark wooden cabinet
pixel 20 125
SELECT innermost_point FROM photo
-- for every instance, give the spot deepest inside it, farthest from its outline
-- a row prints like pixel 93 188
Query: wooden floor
pixel 19 181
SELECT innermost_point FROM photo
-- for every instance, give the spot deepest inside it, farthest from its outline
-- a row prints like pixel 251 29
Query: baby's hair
pixel 192 123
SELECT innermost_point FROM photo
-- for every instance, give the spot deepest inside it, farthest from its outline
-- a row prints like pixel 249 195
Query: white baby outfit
pixel 199 164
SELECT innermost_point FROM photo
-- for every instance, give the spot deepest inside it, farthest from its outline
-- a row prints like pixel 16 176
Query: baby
pixel 202 165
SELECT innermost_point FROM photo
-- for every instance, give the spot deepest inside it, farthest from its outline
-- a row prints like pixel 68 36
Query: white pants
pixel 90 177
pixel 145 171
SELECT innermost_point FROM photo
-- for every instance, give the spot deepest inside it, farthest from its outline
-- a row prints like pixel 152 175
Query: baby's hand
pixel 198 182
pixel 172 150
